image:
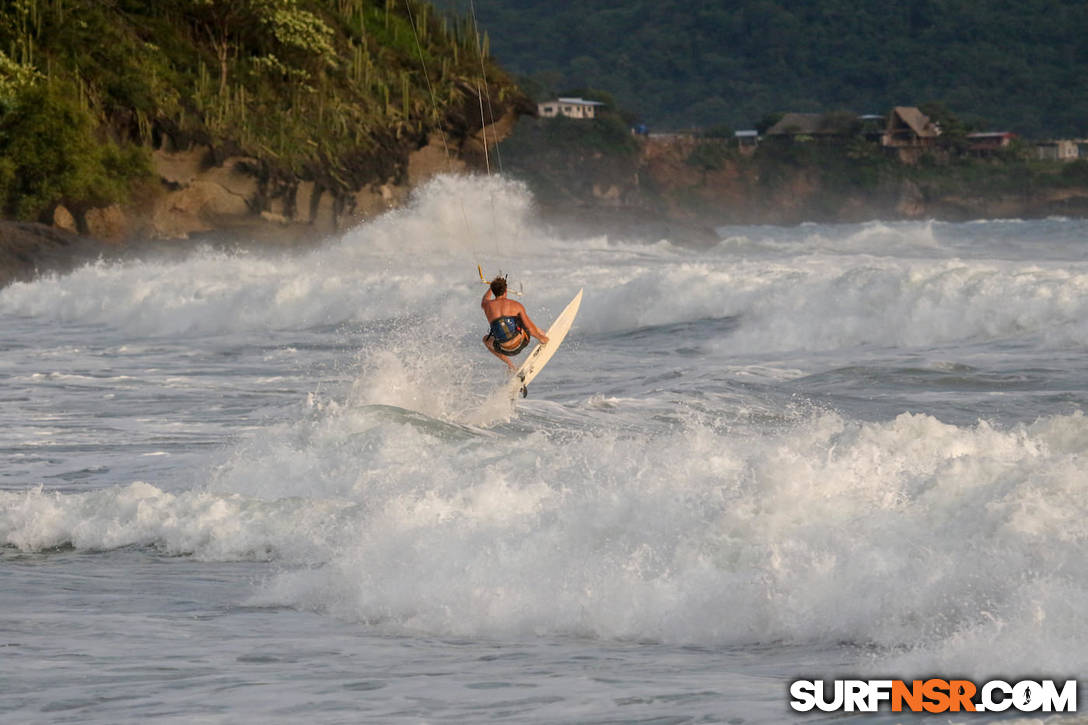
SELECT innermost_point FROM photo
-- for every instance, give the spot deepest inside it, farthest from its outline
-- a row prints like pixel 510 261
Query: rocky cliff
pixel 681 186
pixel 196 196
pixel 753 190
pixel 196 193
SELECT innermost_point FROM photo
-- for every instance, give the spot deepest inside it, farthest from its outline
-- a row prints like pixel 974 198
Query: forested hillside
pixel 333 91
pixel 678 63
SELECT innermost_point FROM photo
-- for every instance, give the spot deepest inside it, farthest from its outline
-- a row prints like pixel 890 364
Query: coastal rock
pixel 63 219
pixel 27 250
pixel 607 194
pixel 911 204
pixel 235 176
pixel 235 198
pixel 433 159
pixel 200 207
pixel 305 202
pixel 324 219
pixel 476 148
pixel 109 223
pixel 179 168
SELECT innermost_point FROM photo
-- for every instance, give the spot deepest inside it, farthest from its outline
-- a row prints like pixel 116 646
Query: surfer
pixel 510 324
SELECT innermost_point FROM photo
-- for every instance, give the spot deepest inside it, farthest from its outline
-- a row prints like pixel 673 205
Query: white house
pixel 569 107
pixel 1059 149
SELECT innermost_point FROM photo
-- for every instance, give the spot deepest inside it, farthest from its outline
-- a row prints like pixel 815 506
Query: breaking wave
pixel 937 544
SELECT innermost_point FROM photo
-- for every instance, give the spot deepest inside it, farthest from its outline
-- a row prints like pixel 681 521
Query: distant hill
pixel 1021 66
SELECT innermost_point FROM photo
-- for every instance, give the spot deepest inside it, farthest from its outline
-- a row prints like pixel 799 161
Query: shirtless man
pixel 510 324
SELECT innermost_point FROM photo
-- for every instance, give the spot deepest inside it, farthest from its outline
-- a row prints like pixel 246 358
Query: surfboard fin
pixel 525 391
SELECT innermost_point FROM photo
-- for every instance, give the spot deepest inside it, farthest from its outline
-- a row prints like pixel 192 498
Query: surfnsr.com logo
pixel 933 695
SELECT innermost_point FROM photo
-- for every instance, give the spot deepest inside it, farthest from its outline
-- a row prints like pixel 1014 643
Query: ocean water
pixel 277 489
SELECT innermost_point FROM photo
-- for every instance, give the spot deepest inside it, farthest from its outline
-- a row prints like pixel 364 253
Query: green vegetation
pixel 50 153
pixel 711 155
pixel 1075 173
pixel 991 177
pixel 564 158
pixel 682 64
pixel 606 134
pixel 335 91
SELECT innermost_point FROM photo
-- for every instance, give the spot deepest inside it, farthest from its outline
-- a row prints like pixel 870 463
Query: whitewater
pixel 280 487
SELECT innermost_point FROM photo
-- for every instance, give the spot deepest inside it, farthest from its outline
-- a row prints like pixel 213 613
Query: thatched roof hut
pixel 907 126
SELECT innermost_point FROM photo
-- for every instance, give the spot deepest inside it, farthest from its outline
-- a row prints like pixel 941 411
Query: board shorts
pixel 517 345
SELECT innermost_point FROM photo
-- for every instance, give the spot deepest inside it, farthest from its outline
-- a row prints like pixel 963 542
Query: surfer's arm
pixel 533 329
pixel 487 297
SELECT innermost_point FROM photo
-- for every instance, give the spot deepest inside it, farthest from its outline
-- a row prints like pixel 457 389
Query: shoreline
pixel 29 250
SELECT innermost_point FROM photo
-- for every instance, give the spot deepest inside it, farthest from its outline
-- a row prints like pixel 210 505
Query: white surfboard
pixel 543 352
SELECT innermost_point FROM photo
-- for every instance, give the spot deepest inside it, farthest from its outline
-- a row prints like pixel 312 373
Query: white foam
pixel 208 526
pixel 910 533
pixel 826 303
pixel 957 546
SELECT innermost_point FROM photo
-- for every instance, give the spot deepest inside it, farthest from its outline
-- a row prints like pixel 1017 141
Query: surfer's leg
pixel 490 345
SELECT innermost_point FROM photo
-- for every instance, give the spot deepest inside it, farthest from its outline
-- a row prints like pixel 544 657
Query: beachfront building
pixel 907 127
pixel 989 142
pixel 747 141
pixel 909 133
pixel 1064 149
pixel 569 107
